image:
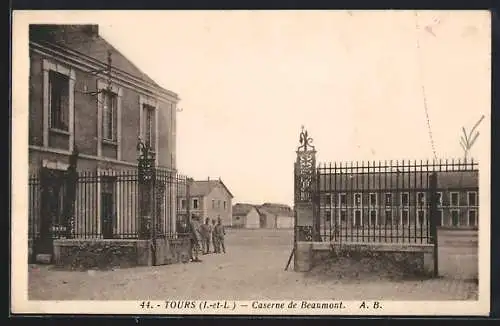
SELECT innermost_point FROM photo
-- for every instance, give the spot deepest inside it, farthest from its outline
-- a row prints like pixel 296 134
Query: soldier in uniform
pixel 205 235
pixel 214 238
pixel 195 237
pixel 219 233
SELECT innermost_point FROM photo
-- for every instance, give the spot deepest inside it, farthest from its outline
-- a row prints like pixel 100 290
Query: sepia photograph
pixel 251 162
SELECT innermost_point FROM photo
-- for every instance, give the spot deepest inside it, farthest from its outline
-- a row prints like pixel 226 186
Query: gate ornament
pixel 305 141
pixel 146 160
pixel 305 167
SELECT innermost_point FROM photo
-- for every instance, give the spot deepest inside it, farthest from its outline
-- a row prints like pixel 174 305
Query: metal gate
pixel 375 202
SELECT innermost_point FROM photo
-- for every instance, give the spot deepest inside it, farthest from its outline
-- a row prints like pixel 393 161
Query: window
pixel 439 217
pixel 342 199
pixel 472 198
pixel 59 101
pixel 373 199
pixel 472 218
pixel 405 199
pixel 421 217
pixel 149 125
pixel 224 205
pixel 109 116
pixel 357 199
pixel 373 217
pixel 405 217
pixel 213 203
pixel 183 203
pixel 328 200
pixel 195 203
pixel 439 198
pixel 388 217
pixel 343 216
pixel 454 199
pixel 420 199
pixel 328 215
pixel 357 217
pixel 455 221
pixel 388 199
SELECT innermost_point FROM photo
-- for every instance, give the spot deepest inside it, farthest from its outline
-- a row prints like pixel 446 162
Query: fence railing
pixel 391 201
pixel 106 205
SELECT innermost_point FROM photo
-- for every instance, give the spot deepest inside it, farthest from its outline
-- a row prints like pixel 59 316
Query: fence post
pixel 147 174
pixel 71 188
pixel 188 199
pixel 433 216
pixel 305 201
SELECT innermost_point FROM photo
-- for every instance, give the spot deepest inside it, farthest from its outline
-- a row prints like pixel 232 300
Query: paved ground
pixel 253 268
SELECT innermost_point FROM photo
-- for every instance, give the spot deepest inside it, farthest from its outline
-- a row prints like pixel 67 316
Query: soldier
pixel 205 234
pixel 219 233
pixel 195 237
pixel 214 238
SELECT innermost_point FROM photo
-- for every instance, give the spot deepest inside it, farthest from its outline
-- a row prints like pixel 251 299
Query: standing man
pixel 205 234
pixel 214 238
pixel 195 237
pixel 219 233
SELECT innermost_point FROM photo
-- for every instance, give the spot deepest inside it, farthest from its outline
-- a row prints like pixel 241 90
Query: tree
pixel 468 140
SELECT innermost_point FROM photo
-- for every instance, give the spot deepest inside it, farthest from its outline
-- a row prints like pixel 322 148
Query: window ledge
pixel 110 142
pixel 59 131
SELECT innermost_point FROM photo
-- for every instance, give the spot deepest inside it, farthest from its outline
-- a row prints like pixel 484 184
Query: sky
pixel 248 80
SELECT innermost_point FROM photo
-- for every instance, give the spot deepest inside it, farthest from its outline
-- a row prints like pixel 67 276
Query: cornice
pixel 88 64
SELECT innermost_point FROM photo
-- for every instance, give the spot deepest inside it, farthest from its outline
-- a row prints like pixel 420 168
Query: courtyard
pixel 253 268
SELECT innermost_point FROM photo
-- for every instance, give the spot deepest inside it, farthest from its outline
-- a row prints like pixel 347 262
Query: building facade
pixel 71 105
pixel 275 215
pixel 379 200
pixel 208 199
pixel 86 97
pixel 246 216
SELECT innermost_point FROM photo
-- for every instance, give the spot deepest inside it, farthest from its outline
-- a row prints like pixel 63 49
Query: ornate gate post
pixel 305 201
pixel 147 176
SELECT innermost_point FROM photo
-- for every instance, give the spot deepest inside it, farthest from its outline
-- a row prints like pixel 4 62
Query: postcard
pixel 251 162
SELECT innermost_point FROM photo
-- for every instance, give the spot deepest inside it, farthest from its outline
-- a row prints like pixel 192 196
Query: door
pixel 107 207
pixel 52 223
pixel 263 220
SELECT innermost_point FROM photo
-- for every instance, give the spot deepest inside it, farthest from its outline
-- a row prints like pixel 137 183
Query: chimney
pixel 90 30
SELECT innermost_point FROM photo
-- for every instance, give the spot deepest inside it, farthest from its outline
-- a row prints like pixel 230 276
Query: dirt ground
pixel 253 268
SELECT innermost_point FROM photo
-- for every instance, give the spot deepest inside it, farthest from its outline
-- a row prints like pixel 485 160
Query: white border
pixel 20 304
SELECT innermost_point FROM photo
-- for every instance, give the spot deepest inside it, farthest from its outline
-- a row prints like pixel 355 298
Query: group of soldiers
pixel 204 235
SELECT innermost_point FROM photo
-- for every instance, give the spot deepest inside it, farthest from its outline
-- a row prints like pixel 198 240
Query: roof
pixel 394 180
pixel 242 209
pixel 201 188
pixel 275 209
pixel 86 40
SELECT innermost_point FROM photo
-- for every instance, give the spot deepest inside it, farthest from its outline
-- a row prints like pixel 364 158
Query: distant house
pixel 245 216
pixel 273 215
pixel 208 198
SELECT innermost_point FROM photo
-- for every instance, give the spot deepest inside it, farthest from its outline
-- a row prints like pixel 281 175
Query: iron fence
pixel 393 201
pixel 107 204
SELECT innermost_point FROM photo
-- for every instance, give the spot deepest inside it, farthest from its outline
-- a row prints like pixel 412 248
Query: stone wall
pixel 172 251
pixel 404 260
pixel 83 254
